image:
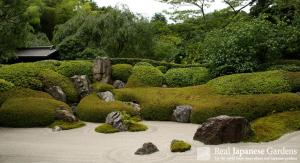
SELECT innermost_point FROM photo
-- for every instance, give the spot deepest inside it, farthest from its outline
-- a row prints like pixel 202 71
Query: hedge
pixel 251 83
pixel 28 112
pixel 294 80
pixel 5 85
pixel 143 76
pixel 51 78
pixel 180 77
pixel 71 68
pixel 92 109
pixel 102 87
pixel 142 64
pixel 121 72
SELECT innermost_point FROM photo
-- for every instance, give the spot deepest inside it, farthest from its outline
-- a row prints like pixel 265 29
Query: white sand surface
pixel 84 145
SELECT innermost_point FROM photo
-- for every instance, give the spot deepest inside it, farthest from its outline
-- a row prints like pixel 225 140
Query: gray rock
pixel 62 113
pixel 136 107
pixel 182 113
pixel 118 84
pixel 223 129
pixel 164 86
pixel 106 96
pixel 57 93
pixel 148 148
pixel 116 120
pixel 82 85
pixel 56 129
pixel 74 108
pixel 298 93
pixel 102 70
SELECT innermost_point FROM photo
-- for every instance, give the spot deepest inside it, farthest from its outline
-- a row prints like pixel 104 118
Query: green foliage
pixel 67 125
pixel 167 47
pixel 71 68
pixel 181 77
pixel 51 78
pixel 286 65
pixel 135 127
pixel 294 80
pixel 163 69
pixel 121 71
pixel 28 112
pixel 251 83
pixel 92 109
pixel 274 126
pixel 143 76
pixel 102 87
pixel 179 146
pixel 142 64
pixel 5 85
pixel 106 129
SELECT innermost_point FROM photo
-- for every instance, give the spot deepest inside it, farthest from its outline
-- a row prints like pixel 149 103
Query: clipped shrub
pixel 92 109
pixel 251 83
pixel 180 77
pixel 48 64
pixel 143 76
pixel 28 112
pixel 106 129
pixel 51 78
pixel 142 64
pixel 102 87
pixel 5 85
pixel 67 125
pixel 71 68
pixel 179 146
pixel 294 80
pixel 163 69
pixel 121 72
pixel 274 126
pixel 248 106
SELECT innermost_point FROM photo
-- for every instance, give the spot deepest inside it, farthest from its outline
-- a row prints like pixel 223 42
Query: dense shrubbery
pixel 121 71
pixel 180 77
pixel 28 112
pixel 142 64
pixel 92 109
pixel 251 83
pixel 294 80
pixel 71 68
pixel 102 87
pixel 51 78
pixel 145 76
pixel 5 85
pixel 163 69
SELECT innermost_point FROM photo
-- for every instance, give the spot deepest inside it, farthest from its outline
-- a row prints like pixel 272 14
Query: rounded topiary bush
pixel 102 87
pixel 121 71
pixel 92 109
pixel 143 76
pixel 251 83
pixel 5 85
pixel 28 112
pixel 180 77
pixel 142 64
pixel 51 78
pixel 71 68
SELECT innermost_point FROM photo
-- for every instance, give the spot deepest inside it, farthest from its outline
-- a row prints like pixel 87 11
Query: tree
pixel 159 17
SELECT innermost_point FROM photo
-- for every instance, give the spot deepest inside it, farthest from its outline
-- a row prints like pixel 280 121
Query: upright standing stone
pixel 82 84
pixel 102 70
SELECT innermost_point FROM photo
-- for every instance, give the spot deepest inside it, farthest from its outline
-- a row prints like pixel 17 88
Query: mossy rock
pixel 179 146
pixel 5 85
pixel 135 127
pixel 106 129
pixel 28 112
pixel 145 76
pixel 102 87
pixel 121 72
pixel 67 125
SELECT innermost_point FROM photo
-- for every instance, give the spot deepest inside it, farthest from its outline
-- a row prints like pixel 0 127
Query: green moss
pixel 67 125
pixel 135 127
pixel 106 129
pixel 294 80
pixel 51 78
pixel 163 69
pixel 274 126
pixel 251 83
pixel 142 64
pixel 28 112
pixel 143 76
pixel 71 68
pixel 179 146
pixel 5 85
pixel 102 87
pixel 92 109
pixel 121 72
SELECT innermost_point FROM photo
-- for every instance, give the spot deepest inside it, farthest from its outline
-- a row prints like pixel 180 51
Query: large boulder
pixel 116 120
pixel 223 129
pixel 102 70
pixel 136 107
pixel 118 84
pixel 57 93
pixel 182 113
pixel 107 96
pixel 82 84
pixel 62 113
pixel 148 148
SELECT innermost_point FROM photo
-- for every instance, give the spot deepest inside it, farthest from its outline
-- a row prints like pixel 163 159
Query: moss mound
pixel 179 146
pixel 143 64
pixel 163 69
pixel 67 125
pixel 106 129
pixel 274 126
pixel 102 87
pixel 294 80
pixel 92 109
pixel 71 68
pixel 51 78
pixel 135 127
pixel 5 85
pixel 28 112
pixel 251 83
pixel 143 76
pixel 121 72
